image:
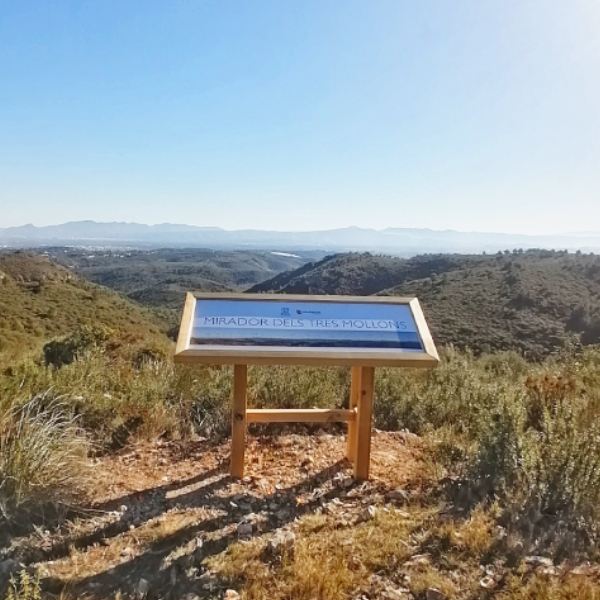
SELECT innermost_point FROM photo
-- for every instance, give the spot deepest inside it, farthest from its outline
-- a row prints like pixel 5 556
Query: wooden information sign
pixel 269 329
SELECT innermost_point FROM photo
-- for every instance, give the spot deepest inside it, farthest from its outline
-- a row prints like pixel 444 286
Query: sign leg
pixel 238 419
pixel 363 424
pixel 354 395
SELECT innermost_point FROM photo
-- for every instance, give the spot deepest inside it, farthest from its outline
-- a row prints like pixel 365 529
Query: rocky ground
pixel 167 521
pixel 159 511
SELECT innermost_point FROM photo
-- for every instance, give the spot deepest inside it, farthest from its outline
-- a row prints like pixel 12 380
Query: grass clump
pixel 43 453
pixel 24 586
pixel 543 588
pixel 327 562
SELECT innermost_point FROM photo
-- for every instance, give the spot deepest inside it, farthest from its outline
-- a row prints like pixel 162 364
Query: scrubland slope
pixel 531 301
pixel 40 300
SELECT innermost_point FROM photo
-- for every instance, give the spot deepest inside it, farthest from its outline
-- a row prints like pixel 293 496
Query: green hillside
pixel 532 301
pixel 361 274
pixel 40 301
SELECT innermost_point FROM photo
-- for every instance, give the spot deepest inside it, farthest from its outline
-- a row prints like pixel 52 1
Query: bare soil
pixel 157 511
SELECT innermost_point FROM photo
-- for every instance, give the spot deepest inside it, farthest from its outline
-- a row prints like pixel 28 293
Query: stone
pixel 397 594
pixel 282 514
pixel 538 561
pixel 586 569
pixel 282 542
pixel 488 582
pixel 435 594
pixel 421 560
pixel 244 529
pixel 142 588
pixel 397 495
pixel 368 513
pixel 231 595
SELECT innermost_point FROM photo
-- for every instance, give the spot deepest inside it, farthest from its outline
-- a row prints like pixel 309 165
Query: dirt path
pixel 159 510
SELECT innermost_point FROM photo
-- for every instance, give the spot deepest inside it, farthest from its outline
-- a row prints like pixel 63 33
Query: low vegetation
pixel 501 429
pixel 43 453
pixel 511 447
pixel 41 301
pixel 533 301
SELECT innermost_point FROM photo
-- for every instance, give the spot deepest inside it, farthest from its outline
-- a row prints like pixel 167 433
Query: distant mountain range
pixel 399 241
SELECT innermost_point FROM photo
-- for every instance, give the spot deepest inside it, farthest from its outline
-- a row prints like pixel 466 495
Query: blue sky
pixel 298 115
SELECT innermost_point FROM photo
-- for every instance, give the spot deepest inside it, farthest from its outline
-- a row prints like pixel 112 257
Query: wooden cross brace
pixel 358 417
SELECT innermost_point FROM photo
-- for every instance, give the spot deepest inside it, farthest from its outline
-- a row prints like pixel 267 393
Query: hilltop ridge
pixel 532 301
pixel 40 301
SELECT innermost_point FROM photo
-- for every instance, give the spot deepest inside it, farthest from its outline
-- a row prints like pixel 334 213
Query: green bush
pixel 65 350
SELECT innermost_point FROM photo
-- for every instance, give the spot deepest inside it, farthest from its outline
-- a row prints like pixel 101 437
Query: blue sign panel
pixel 221 322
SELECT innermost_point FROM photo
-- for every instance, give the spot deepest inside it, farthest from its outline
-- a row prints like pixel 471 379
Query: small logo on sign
pixel 285 312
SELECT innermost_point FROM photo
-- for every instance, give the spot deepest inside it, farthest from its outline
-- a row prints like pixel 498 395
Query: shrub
pixel 42 455
pixel 64 350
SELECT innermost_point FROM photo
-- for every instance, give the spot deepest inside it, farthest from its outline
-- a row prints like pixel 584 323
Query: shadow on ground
pixel 154 541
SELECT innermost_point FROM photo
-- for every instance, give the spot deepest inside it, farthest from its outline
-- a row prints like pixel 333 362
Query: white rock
pixel 399 594
pixel 142 588
pixel 538 561
pixel 283 541
pixel 231 595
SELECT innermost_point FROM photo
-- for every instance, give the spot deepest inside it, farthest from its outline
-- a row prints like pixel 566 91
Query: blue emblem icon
pixel 285 312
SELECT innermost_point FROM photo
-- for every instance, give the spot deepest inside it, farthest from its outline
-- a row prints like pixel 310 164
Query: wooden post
pixel 363 424
pixel 354 395
pixel 238 419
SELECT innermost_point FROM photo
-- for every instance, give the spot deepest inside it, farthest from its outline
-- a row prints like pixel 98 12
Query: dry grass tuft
pixel 429 577
pixel 472 538
pixel 24 586
pixel 544 588
pixel 43 455
pixel 327 563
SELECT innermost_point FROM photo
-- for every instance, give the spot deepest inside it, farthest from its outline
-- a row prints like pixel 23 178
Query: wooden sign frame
pixel 362 360
pixel 268 355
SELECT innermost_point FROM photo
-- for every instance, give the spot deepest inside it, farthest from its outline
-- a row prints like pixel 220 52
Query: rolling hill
pixel 160 278
pixel 531 301
pixel 40 301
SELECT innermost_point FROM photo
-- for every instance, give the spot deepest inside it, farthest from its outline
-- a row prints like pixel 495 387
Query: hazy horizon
pixel 587 233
